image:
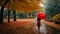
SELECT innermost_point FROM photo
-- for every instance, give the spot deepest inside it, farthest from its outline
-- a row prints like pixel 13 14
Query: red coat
pixel 38 22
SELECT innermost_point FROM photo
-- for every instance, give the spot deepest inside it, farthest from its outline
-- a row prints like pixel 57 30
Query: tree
pixel 52 7
pixel 9 16
pixel 2 10
pixel 14 15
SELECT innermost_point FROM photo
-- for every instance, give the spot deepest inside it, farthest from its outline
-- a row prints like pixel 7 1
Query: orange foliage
pixel 24 5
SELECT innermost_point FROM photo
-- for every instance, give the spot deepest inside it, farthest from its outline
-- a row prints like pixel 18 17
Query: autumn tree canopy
pixel 23 5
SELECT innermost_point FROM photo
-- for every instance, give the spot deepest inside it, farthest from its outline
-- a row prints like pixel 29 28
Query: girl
pixel 38 24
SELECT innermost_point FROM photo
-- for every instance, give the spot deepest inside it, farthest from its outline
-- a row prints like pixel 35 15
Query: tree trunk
pixel 14 15
pixel 9 16
pixel 1 15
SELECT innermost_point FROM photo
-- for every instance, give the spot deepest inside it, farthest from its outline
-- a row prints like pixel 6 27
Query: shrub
pixel 56 17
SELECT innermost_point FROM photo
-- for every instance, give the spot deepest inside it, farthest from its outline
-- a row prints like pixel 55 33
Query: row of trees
pixel 12 14
pixel 9 13
pixel 20 15
pixel 27 15
pixel 2 12
pixel 19 5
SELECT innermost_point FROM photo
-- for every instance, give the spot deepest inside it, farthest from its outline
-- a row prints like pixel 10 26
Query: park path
pixel 28 26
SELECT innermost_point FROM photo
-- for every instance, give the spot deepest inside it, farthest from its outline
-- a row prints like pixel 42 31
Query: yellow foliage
pixel 56 17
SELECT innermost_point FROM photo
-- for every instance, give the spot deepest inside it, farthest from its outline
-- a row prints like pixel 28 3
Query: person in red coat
pixel 41 15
